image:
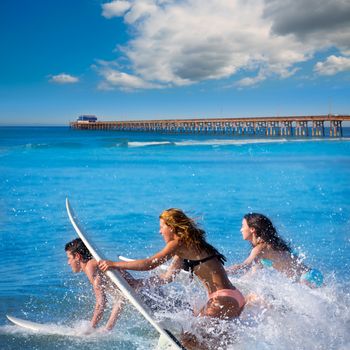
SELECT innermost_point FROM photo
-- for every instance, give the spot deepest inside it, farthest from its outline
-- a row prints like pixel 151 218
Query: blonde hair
pixel 188 231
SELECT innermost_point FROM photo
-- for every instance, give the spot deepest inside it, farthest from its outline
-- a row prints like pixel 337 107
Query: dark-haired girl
pixel 270 250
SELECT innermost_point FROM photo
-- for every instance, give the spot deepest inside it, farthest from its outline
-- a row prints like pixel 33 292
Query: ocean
pixel 118 183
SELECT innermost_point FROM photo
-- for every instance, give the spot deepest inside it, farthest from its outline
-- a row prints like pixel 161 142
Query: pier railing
pixel 265 126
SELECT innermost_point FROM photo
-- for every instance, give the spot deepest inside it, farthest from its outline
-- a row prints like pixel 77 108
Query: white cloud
pixel 250 81
pixel 63 78
pixel 124 81
pixel 179 43
pixel 115 8
pixel 140 9
pixel 333 65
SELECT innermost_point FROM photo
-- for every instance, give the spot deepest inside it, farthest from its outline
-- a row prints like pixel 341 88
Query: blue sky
pixel 144 59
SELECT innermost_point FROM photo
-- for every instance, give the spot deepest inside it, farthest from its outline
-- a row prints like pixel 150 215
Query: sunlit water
pixel 118 183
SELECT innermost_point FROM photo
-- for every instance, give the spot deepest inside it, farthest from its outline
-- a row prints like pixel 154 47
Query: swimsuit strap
pixel 266 262
pixel 189 265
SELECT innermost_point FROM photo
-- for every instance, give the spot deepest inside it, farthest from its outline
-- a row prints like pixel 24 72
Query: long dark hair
pixel 188 231
pixel 266 231
pixel 77 246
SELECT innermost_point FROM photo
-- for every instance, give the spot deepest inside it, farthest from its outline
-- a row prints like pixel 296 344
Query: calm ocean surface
pixel 118 183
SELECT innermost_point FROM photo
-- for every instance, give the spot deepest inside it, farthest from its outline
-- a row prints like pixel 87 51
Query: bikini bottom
pixel 313 277
pixel 232 293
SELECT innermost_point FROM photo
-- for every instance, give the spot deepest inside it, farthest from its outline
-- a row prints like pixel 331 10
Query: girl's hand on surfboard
pixel 105 265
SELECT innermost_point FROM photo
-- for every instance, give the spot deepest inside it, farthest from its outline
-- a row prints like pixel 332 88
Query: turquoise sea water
pixel 118 184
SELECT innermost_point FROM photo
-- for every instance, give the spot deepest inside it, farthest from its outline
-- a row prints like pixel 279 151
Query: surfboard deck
pixel 33 326
pixel 167 340
pixel 49 328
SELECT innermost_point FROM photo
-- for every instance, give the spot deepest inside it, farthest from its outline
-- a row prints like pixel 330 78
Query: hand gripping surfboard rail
pixel 167 339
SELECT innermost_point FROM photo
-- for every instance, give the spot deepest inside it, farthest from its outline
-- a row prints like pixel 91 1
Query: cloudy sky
pixel 142 59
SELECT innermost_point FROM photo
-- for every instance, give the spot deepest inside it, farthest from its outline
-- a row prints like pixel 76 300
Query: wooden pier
pixel 299 126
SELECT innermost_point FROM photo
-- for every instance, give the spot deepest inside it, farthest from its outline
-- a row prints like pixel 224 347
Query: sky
pixel 163 59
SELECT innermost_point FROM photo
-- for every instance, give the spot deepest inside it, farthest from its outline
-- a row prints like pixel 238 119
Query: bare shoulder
pixel 91 268
pixel 168 251
pixel 93 264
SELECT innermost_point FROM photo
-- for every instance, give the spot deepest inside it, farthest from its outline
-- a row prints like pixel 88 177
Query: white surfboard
pixel 33 326
pixel 167 340
pixel 51 329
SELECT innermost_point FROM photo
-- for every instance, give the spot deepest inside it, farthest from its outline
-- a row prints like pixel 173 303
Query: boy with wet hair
pixel 80 259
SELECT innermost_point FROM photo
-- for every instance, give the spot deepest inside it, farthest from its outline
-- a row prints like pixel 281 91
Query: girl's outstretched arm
pixel 143 264
pixel 247 263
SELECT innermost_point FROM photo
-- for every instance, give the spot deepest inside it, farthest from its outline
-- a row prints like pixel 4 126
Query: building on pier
pixel 300 126
pixel 87 118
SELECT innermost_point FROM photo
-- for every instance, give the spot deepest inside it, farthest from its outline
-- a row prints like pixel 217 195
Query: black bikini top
pixel 189 265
